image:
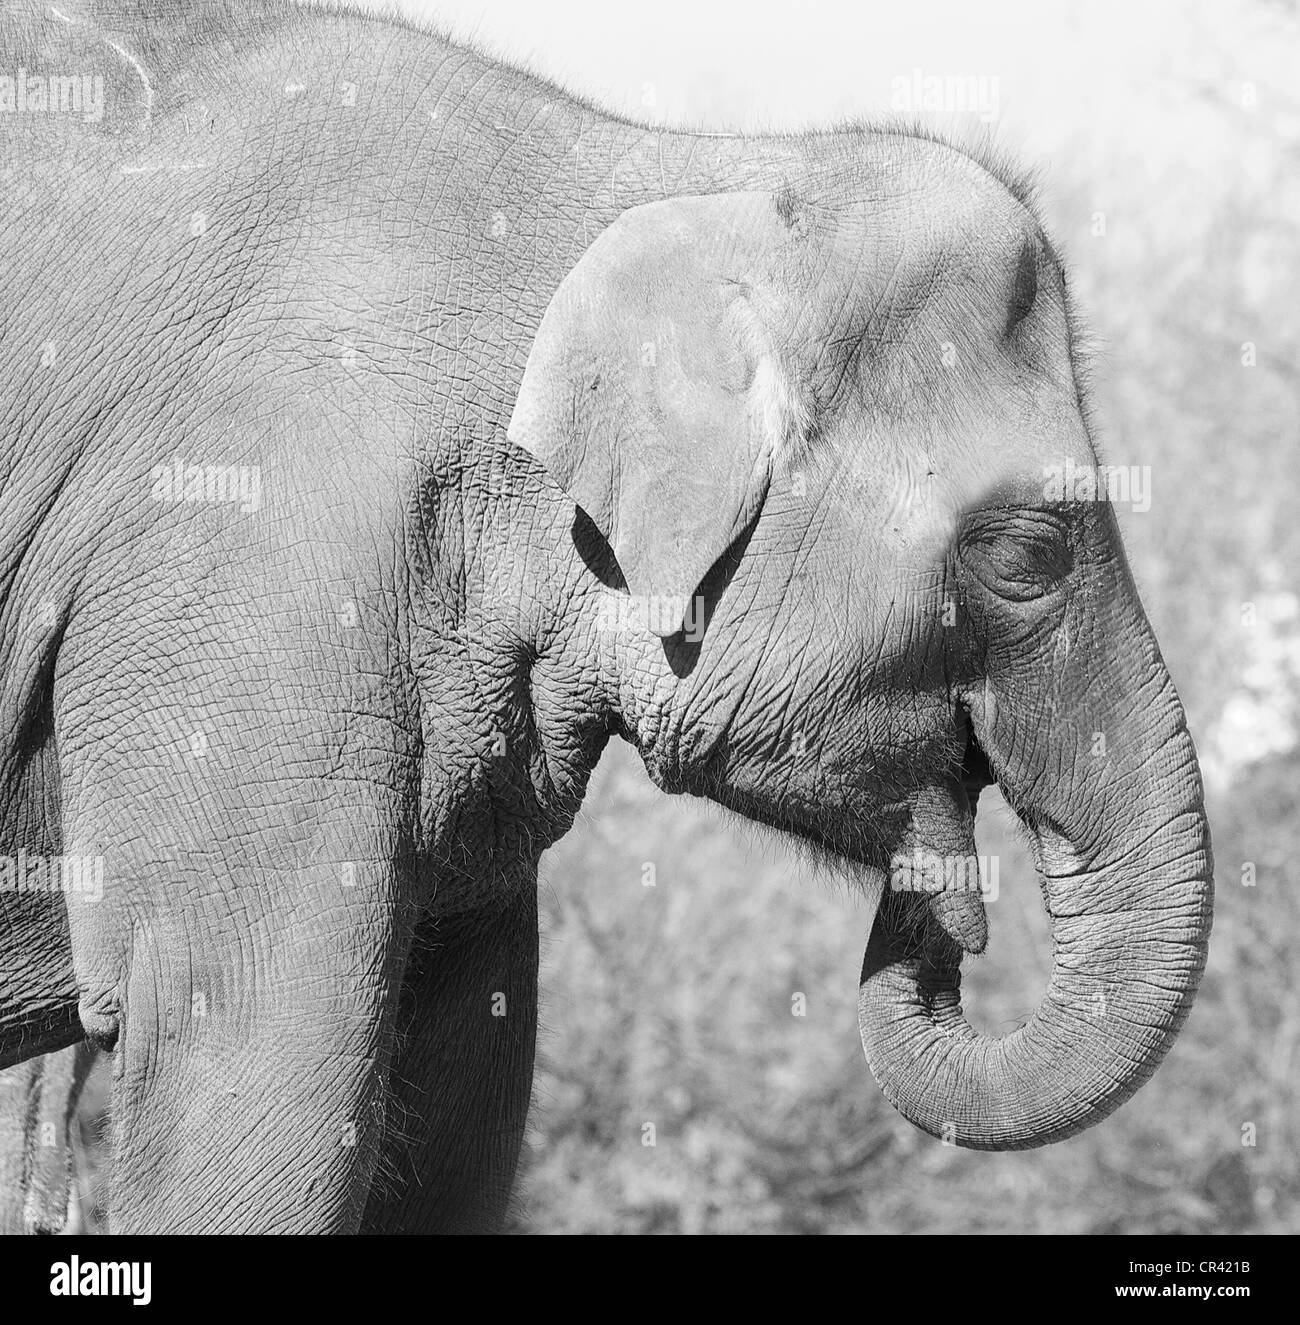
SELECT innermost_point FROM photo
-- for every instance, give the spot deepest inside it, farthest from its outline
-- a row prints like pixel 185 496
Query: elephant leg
pixel 242 959
pixel 49 1146
pixel 19 1089
pixel 250 808
pixel 37 1101
pixel 250 1048
pixel 462 1075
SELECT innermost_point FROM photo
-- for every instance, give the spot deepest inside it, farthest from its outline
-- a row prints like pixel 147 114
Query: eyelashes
pixel 1019 557
pixel 1025 288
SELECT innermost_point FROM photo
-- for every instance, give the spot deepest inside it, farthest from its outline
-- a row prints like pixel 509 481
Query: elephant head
pixel 822 431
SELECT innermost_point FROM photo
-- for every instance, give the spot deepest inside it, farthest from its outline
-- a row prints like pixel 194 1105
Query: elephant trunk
pixel 1123 849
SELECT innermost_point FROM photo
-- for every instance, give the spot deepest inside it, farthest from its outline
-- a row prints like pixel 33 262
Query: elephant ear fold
pixel 657 393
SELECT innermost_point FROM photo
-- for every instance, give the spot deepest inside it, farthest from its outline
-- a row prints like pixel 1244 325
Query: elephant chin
pixel 1122 984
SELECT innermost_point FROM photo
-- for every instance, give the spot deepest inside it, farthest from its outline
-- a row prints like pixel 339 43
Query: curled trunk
pixel 1123 850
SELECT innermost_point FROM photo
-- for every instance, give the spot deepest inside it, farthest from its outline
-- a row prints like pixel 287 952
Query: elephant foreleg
pixel 462 1075
pixel 37 1101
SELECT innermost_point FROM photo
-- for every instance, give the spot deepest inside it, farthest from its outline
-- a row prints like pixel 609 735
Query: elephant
pixel 387 429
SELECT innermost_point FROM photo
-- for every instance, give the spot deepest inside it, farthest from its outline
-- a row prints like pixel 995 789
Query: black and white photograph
pixel 675 619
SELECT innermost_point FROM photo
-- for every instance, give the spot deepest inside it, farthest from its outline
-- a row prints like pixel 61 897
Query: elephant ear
pixel 658 391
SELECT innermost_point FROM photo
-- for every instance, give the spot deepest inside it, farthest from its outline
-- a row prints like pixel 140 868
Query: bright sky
pixel 1118 68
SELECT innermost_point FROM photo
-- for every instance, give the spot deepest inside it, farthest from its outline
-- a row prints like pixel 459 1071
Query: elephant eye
pixel 1018 555
pixel 1025 288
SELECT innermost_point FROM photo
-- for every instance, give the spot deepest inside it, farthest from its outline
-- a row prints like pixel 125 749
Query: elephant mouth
pixel 936 881
pixel 975 773
pixel 1128 929
pixel 941 852
pixel 941 818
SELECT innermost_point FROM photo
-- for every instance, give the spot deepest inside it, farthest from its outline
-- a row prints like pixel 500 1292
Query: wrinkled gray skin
pixel 321 744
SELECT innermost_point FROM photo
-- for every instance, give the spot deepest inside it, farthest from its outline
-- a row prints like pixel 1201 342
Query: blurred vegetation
pixel 672 1005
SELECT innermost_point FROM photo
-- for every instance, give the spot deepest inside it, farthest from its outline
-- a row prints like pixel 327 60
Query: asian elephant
pixel 385 429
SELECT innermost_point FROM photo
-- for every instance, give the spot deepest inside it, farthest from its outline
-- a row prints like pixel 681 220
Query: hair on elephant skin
pixel 387 430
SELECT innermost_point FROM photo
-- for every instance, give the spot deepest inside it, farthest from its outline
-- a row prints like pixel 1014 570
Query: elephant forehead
pixel 908 487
